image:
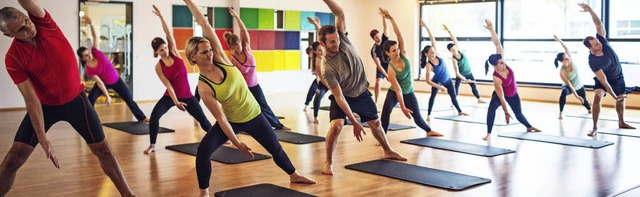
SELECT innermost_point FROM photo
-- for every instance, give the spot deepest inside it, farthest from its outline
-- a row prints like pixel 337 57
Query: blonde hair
pixel 192 47
pixel 231 38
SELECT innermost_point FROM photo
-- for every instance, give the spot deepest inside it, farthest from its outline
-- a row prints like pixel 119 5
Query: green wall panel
pixel 222 18
pixel 249 17
pixel 292 20
pixel 266 19
pixel 182 16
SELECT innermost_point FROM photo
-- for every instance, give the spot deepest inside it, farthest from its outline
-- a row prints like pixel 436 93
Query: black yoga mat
pixel 297 138
pixel 460 147
pixel 136 128
pixel 557 139
pixel 224 154
pixel 476 120
pixel 260 191
pixel 417 174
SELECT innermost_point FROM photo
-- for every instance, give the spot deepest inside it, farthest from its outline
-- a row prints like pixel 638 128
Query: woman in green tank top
pixel 401 90
pixel 569 75
pixel 225 93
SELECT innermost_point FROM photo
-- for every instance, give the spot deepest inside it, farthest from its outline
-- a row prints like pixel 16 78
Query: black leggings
pixel 514 103
pixel 77 112
pixel 322 90
pixel 258 128
pixel 311 92
pixel 581 93
pixel 264 107
pixel 452 93
pixel 164 104
pixel 410 102
pixel 124 93
pixel 474 89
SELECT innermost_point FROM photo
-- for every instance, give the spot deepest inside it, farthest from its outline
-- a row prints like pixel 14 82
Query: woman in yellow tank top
pixel 225 93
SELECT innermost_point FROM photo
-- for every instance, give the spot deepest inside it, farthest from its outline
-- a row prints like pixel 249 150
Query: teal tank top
pixel 404 76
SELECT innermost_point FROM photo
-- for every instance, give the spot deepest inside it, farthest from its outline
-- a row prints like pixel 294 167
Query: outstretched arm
pixel 171 42
pixel 315 23
pixel 33 7
pixel 566 49
pixel 94 37
pixel 396 30
pixel 433 40
pixel 209 33
pixel 244 34
pixel 453 38
pixel 338 13
pixel 385 28
pixel 594 17
pixel 494 36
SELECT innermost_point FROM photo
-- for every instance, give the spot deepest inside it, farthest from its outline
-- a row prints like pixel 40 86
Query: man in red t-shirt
pixel 42 64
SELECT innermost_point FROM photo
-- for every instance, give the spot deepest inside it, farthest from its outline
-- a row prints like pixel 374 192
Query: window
pixel 625 20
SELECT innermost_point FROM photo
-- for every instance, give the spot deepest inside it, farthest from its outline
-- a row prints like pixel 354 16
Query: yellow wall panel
pixel 292 60
pixel 264 61
pixel 278 60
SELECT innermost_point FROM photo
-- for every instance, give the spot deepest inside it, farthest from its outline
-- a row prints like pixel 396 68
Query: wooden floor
pixel 536 169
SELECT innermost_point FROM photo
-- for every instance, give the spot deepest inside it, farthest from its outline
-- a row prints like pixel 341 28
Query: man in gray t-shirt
pixel 344 73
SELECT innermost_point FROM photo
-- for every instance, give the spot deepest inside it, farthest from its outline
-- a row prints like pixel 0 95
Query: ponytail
pixel 486 67
pixel 493 60
pixel 423 56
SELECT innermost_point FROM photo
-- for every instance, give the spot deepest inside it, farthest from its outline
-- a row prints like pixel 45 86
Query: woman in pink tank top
pixel 245 62
pixel 505 86
pixel 99 67
pixel 173 73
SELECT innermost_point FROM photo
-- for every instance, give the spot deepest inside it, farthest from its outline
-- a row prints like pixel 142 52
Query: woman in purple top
pixel 105 75
pixel 173 74
pixel 505 86
pixel 245 62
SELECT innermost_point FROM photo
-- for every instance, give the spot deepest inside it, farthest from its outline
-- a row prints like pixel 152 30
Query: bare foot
pixel 589 111
pixel 560 116
pixel 533 129
pixel 624 125
pixel 487 137
pixel 428 118
pixel 285 128
pixel 297 178
pixel 433 133
pixel 328 169
pixel 204 192
pixel 304 109
pixel 462 114
pixel 394 156
pixel 146 121
pixel 151 149
pixel 592 133
pixel 195 122
pixel 315 120
pixel 481 101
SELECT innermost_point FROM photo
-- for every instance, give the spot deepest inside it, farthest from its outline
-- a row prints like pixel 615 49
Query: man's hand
pixel 358 130
pixel 48 149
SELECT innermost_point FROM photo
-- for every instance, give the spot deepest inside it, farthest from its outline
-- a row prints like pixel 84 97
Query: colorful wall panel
pixel 292 60
pixel 266 19
pixel 292 40
pixel 304 24
pixel 181 36
pixel 255 36
pixel 220 34
pixel 325 18
pixel 278 59
pixel 280 40
pixel 266 40
pixel 292 20
pixel 264 61
pixel 249 17
pixel 222 18
pixel 182 16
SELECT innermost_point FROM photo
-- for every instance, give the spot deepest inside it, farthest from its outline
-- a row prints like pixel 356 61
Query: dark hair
pixel 373 33
pixel 449 46
pixel 586 41
pixel 423 57
pixel 493 60
pixel 559 58
pixel 79 52
pixel 314 47
pixel 388 44
pixel 309 49
pixel 324 30
pixel 155 44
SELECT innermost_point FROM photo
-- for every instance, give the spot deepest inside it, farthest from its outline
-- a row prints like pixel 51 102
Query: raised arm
pixel 245 39
pixel 566 49
pixel 88 21
pixel 171 42
pixel 431 38
pixel 385 28
pixel 339 14
pixel 396 30
pixel 453 38
pixel 315 23
pixel 209 33
pixel 594 17
pixel 33 7
pixel 494 36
